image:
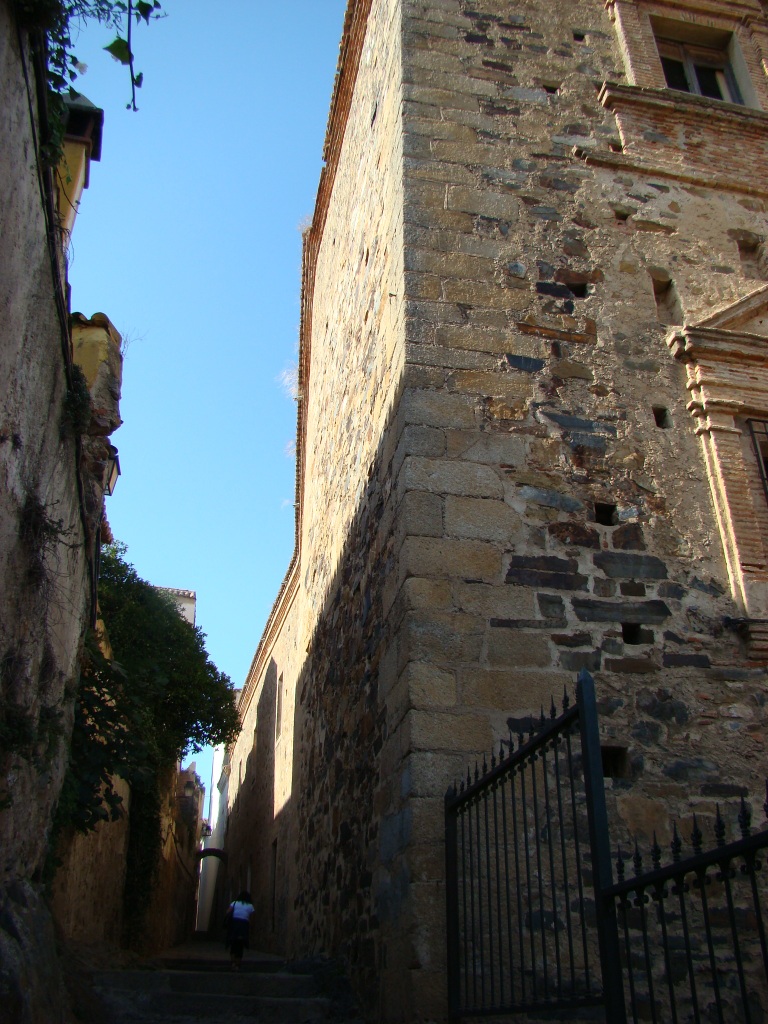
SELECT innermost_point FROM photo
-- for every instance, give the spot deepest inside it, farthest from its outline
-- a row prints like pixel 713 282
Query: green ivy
pixel 56 19
pixel 137 714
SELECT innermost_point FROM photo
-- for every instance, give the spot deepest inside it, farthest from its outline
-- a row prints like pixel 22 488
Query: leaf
pixel 144 10
pixel 118 48
pixel 139 80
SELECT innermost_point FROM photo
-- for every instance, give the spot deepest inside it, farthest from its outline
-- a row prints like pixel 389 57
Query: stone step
pixel 146 997
pixel 213 980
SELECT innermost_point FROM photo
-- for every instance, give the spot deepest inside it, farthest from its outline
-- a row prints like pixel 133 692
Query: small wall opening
pixel 579 37
pixel 752 256
pixel 668 306
pixel 615 762
pixel 605 513
pixel 662 417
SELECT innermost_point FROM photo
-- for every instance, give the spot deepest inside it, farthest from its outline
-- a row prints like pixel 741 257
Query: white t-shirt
pixel 242 911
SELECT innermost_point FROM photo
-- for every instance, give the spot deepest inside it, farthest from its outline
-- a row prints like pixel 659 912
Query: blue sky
pixel 188 238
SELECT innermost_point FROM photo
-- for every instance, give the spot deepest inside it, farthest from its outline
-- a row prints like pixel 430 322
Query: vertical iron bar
pixel 640 902
pixel 579 878
pixel 701 875
pixel 488 873
pixel 660 895
pixel 624 902
pixel 681 888
pixel 500 934
pixel 750 868
pixel 465 943
pixel 510 956
pixel 725 874
pixel 602 873
pixel 553 883
pixel 473 957
pixel 519 890
pixel 480 903
pixel 566 891
pixel 539 875
pixel 452 903
pixel 524 812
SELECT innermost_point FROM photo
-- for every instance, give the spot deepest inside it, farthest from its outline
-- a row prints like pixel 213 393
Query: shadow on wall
pixel 328 872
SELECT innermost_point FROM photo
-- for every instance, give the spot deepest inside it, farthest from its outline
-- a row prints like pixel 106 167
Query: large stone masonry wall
pixel 547 522
pixel 320 789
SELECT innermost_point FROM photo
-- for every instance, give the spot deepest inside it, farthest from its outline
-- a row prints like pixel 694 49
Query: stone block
pixel 550 498
pixel 574 534
pixel 443 730
pixel 450 476
pixel 419 593
pixel 429 686
pixel 647 612
pixel 488 601
pixel 440 637
pixel 618 564
pixel 483 201
pixel 505 386
pixel 439 409
pixel 515 692
pixel 479 518
pixel 484 293
pixel 421 514
pixel 465 559
pixel 503 450
pixel 514 648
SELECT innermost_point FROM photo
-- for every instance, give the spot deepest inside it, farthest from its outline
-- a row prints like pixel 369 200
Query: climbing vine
pixel 57 19
pixel 137 713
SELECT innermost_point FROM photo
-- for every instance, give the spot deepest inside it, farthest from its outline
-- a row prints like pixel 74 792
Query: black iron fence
pixel 536 922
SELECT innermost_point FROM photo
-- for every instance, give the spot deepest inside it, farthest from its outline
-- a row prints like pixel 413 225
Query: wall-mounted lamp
pixel 189 789
pixel 206 831
pixel 113 470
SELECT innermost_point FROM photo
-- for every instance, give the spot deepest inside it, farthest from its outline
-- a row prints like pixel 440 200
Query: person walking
pixel 238 922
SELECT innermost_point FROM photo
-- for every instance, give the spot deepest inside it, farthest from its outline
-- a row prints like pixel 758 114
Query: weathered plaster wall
pixel 87 892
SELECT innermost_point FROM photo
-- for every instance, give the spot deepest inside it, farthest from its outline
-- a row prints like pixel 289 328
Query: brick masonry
pixel 500 479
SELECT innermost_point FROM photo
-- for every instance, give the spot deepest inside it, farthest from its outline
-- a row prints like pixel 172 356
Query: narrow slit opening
pixel 661 417
pixel 605 513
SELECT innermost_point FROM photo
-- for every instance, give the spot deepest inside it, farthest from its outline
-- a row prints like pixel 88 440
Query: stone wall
pixel 49 514
pixel 530 493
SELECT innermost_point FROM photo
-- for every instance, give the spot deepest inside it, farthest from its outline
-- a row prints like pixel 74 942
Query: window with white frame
pixel 701 70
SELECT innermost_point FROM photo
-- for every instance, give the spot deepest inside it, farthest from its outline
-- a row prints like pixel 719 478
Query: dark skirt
pixel 237 937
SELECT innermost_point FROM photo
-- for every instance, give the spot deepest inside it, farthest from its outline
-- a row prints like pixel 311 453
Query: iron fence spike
pixel 552 708
pixel 567 701
pixel 697 837
pixel 542 720
pixel 637 859
pixel 655 852
pixel 719 827
pixel 745 819
pixel 677 844
pixel 765 805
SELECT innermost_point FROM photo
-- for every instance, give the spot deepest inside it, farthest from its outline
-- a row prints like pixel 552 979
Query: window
pixel 698 69
pixel 758 431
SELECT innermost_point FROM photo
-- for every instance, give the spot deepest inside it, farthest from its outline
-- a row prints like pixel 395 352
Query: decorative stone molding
pixel 726 358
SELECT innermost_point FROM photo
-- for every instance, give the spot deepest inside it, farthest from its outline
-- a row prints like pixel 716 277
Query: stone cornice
pixel 733 117
pixel 703 8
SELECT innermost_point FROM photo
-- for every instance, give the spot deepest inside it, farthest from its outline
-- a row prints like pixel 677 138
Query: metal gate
pixel 535 921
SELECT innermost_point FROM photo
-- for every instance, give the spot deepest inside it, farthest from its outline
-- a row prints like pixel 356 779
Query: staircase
pixel 186 991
